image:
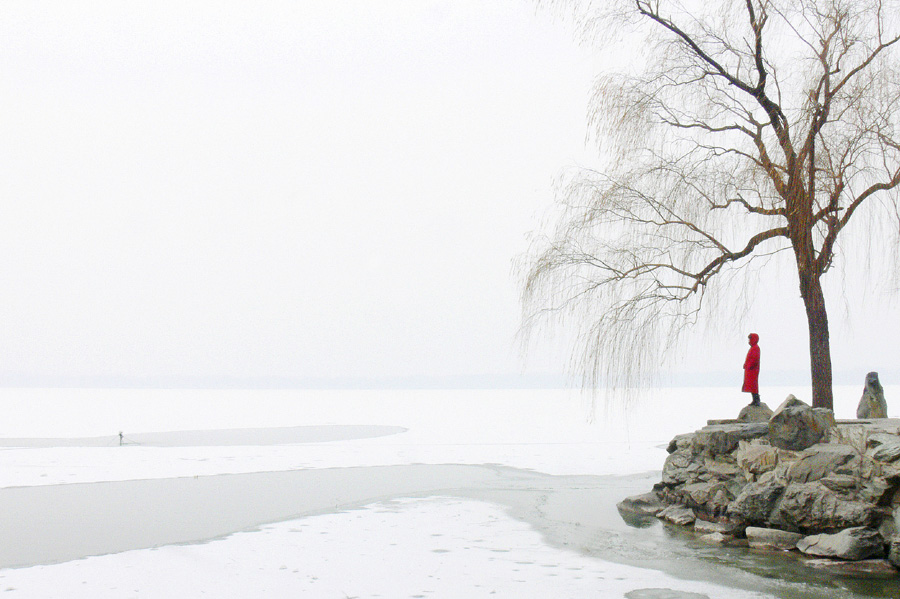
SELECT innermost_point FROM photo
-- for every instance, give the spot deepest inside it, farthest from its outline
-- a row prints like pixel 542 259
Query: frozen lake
pixel 362 494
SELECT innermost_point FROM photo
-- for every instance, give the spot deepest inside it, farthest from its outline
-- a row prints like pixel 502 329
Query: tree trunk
pixel 819 345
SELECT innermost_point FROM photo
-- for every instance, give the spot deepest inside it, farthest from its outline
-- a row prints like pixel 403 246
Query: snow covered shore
pixel 334 494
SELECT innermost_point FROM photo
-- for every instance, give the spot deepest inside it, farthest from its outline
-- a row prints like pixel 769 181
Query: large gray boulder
pixel 719 439
pixel 872 403
pixel 814 508
pixel 850 544
pixel 648 504
pixel 797 426
pixel 751 413
pixel 772 538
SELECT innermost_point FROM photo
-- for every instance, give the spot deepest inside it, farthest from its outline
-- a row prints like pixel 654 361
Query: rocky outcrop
pixel 801 480
pixel 872 403
pixel 796 426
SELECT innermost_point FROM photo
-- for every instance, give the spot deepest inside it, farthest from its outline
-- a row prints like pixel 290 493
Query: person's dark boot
pixel 755 401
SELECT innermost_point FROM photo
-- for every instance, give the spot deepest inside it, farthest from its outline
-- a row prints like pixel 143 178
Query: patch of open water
pixel 51 524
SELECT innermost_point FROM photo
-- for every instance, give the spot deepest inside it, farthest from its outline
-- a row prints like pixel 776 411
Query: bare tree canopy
pixel 751 128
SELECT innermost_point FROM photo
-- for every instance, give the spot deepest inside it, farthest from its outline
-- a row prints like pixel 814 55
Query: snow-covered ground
pixel 361 499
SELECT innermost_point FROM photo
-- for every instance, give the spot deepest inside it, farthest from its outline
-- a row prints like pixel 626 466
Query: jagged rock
pixel 872 403
pixel 710 497
pixel 707 527
pixel 824 460
pixel 678 514
pixel 867 433
pixel 851 544
pixel 756 501
pixel 755 457
pixel 813 507
pixel 796 426
pixel 751 413
pixel 737 474
pixel 720 439
pixel 876 439
pixel 722 470
pixel 878 491
pixel 869 568
pixel 675 468
pixel 648 504
pixel 843 484
pixel 887 452
pixel 680 442
pixel 772 538
pixel 894 552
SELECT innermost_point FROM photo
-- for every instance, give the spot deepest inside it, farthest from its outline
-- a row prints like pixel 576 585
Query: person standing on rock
pixel 751 369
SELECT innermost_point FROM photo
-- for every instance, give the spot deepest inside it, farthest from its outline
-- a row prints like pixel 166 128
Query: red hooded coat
pixel 751 366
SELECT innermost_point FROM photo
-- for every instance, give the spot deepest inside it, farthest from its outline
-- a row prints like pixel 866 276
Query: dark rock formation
pixel 837 497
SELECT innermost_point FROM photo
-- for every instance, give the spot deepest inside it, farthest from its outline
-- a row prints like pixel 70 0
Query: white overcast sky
pixel 296 189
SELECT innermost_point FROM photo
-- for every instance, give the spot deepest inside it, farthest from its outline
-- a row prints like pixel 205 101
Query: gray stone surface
pixel 648 504
pixel 756 457
pixel 822 461
pixel 814 508
pixel 675 468
pixel 680 442
pixel 751 413
pixel 842 484
pixel 850 544
pixel 716 538
pixel 872 403
pixel 756 501
pixel 707 527
pixel 730 476
pixel 887 452
pixel 713 496
pixel 796 426
pixel 678 514
pixel 772 538
pixel 720 439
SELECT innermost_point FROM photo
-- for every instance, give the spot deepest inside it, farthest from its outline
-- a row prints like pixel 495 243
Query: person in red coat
pixel 751 369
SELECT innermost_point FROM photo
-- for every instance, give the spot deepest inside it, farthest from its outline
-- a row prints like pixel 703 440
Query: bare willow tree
pixel 748 129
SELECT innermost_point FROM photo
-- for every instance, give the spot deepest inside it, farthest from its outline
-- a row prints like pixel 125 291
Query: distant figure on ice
pixel 872 404
pixel 751 369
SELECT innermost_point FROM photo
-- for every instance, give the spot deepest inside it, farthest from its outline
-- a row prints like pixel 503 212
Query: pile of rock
pixel 792 480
